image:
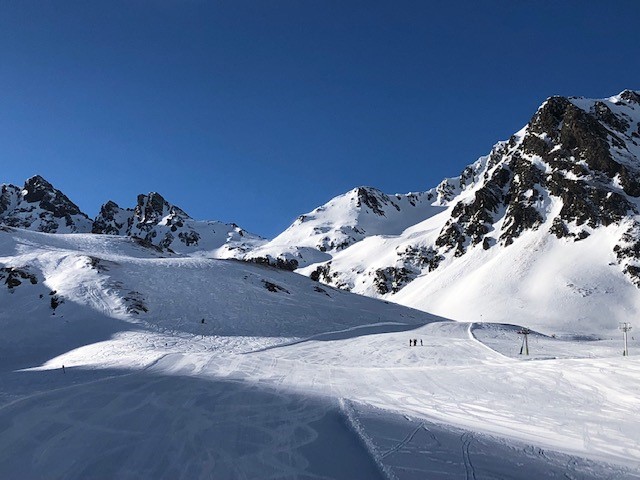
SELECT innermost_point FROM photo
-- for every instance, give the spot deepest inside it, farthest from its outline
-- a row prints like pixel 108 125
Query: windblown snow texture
pixel 184 367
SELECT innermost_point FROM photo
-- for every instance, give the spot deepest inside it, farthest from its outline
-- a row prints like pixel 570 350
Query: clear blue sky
pixel 256 112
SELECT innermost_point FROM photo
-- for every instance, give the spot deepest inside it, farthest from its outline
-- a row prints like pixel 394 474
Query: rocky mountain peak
pixel 632 96
pixel 40 206
pixel 162 224
pixel 372 198
pixel 575 150
pixel 37 186
pixel 572 171
pixel 37 189
pixel 152 208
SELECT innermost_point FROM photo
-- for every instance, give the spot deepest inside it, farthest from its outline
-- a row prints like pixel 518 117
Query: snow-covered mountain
pixel 342 222
pixel 100 281
pixel 544 230
pixel 41 207
pixel 169 227
pixel 131 344
pixel 115 354
pixel 546 224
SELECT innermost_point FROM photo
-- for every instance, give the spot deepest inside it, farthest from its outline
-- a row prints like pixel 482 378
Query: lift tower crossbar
pixel 625 327
pixel 525 340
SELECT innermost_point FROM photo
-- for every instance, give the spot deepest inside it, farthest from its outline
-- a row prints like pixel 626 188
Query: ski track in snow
pixel 163 395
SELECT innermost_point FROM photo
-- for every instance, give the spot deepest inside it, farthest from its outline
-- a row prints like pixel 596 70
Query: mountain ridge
pixel 572 174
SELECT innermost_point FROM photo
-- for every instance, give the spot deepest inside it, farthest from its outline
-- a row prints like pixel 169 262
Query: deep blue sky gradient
pixel 256 112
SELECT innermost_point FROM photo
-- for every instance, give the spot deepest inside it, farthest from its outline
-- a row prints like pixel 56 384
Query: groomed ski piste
pixel 184 368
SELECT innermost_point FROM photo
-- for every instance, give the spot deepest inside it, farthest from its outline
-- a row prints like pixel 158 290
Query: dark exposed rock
pixel 107 220
pixel 584 203
pixel 549 116
pixel 534 145
pixel 98 264
pixel 13 276
pixel 348 235
pixel 420 257
pixel 587 139
pixel 473 220
pixel 630 96
pixel 55 300
pixel 523 194
pixel 366 197
pixel 605 115
pixel 558 228
pixel 321 290
pixel 146 244
pixel 134 303
pixel 272 287
pixel 322 273
pixel 41 207
pixel 452 238
pixel 7 194
pixel 519 218
pixel 39 190
pixel 633 271
pixel 392 279
pixel 581 235
pixel 280 263
pixel 629 245
pixel 445 190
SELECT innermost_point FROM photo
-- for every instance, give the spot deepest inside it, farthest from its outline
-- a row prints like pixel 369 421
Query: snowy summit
pixel 467 331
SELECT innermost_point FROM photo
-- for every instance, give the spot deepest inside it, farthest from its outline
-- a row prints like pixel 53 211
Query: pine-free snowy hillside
pixel 545 230
pixel 56 286
pixel 342 222
pixel 121 360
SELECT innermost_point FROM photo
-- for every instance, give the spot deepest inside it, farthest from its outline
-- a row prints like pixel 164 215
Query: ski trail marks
pixel 469 470
pixel 404 441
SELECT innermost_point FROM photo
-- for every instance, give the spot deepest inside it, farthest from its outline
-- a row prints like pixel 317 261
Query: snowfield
pixel 178 367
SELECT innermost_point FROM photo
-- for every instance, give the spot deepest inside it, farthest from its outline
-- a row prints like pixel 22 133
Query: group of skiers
pixel 413 342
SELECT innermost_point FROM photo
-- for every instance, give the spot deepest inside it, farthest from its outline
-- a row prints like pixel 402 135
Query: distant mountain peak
pixel 630 96
pixel 572 174
pixel 40 206
pixel 152 208
pixel 167 226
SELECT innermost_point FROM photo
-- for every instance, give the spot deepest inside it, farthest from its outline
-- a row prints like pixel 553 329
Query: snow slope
pixel 285 378
pixel 542 231
pixel 344 221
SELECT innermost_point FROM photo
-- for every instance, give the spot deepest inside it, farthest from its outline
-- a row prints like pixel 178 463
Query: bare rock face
pixel 41 207
pixel 573 169
pixel 580 152
pixel 153 222
pixel 163 225
pixel 14 276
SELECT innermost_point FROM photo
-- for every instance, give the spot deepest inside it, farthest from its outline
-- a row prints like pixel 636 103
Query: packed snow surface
pixel 182 367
